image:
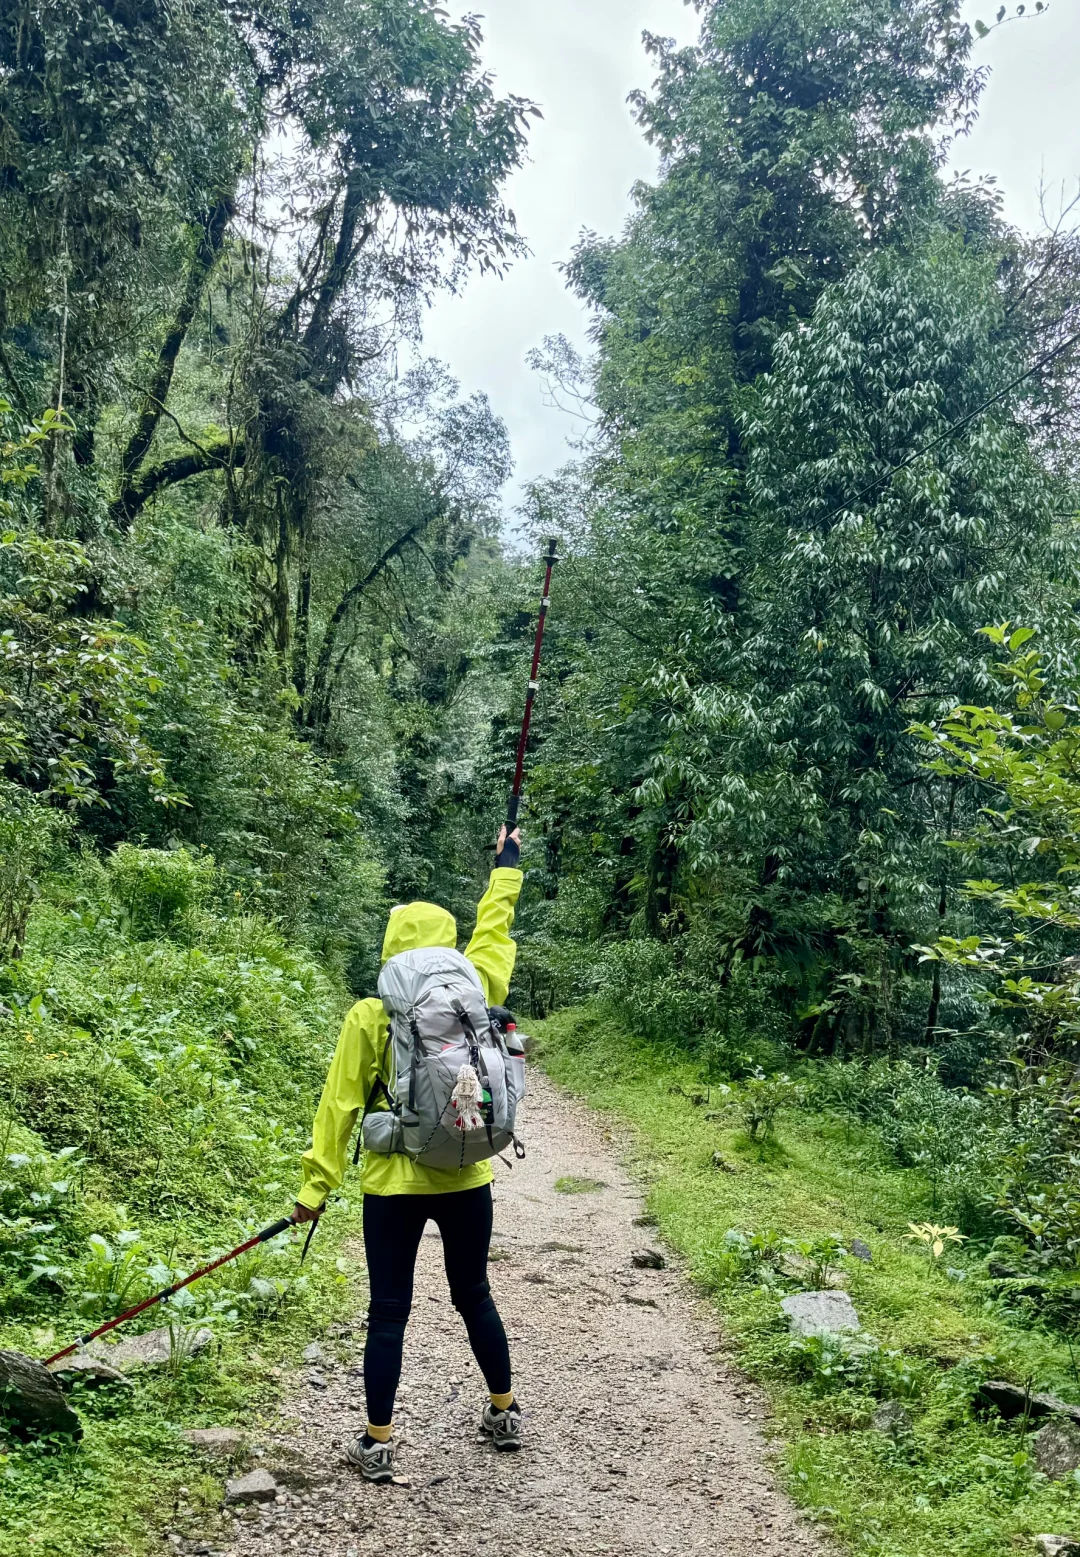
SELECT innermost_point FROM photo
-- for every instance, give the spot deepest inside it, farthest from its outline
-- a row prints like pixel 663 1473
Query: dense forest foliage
pixel 254 625
pixel 803 796
pixel 816 649
pixel 250 566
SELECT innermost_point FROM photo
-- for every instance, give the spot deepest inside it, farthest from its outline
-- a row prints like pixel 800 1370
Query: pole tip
pixel 552 545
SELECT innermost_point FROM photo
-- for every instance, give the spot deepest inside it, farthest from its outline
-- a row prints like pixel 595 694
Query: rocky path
pixel 639 1441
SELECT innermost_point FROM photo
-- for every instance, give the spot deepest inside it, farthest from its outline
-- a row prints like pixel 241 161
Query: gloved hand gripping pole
pixel 550 559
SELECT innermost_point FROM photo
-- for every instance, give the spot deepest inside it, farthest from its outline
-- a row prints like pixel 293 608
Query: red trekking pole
pixel 550 559
pixel 159 1297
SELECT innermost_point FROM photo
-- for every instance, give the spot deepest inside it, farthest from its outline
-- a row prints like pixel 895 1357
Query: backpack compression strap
pixel 469 1029
pixel 418 1050
pixel 377 1086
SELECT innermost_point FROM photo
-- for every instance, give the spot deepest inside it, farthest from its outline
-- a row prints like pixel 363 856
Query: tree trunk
pixel 659 892
pixel 314 337
pixel 303 541
pixel 943 903
pixel 935 986
pixel 302 631
pixel 207 250
pixel 318 713
pixel 281 600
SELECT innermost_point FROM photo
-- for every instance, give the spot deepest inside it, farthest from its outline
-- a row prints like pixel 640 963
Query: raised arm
pixel 491 951
pixel 348 1083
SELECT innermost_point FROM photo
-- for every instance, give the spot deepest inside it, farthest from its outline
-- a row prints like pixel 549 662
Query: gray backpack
pixel 456 1079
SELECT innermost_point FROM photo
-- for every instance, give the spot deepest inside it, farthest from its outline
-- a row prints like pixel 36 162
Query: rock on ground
pixel 640 1442
pixel 32 1400
pixel 1057 1449
pixel 820 1313
pixel 1012 1401
pixel 152 1350
pixel 1057 1546
pixel 892 1417
pixel 216 1440
pixel 91 1370
pixel 258 1486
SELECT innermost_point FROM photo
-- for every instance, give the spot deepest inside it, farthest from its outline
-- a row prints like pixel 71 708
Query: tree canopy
pixel 260 602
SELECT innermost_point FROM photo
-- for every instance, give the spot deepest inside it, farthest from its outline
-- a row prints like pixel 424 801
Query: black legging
pixel 393 1227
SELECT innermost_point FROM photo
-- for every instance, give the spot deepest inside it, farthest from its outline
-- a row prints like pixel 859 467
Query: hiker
pixel 400 1194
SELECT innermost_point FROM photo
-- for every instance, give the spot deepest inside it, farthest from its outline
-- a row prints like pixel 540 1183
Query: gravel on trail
pixel 639 1440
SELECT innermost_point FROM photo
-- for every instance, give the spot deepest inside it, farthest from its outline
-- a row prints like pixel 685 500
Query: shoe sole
pixel 504 1445
pixel 373 1476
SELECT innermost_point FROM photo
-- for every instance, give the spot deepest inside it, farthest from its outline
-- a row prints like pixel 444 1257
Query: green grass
pixel 570 1185
pixel 962 1485
pixel 158 1078
pixel 132 1477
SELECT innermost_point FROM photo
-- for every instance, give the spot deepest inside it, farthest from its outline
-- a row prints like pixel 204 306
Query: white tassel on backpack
pixel 466 1099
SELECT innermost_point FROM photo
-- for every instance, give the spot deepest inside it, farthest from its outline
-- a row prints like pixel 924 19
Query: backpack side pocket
pixel 382 1134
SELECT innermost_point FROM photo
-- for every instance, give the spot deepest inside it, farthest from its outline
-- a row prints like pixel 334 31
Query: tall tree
pixel 400 147
pixel 752 377
pixel 116 123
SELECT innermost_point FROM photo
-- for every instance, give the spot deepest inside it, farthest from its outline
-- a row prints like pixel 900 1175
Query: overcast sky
pixel 578 59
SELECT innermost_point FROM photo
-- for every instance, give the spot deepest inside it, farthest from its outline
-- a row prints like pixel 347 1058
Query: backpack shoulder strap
pixel 377 1086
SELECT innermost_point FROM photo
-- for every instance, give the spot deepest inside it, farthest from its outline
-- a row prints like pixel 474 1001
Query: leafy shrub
pixel 666 991
pixel 760 1100
pixel 669 992
pixel 959 1140
pixel 746 1256
pixel 769 1256
pixel 1025 756
pixel 32 835
pixel 933 1238
pixel 113 1275
pixel 38 1182
pixel 820 1257
pixel 832 1362
pixel 39 1222
pixel 168 1082
pixel 552 973
pixel 285 830
pixel 999 1158
pixel 159 889
pixel 73 690
pixel 1032 1282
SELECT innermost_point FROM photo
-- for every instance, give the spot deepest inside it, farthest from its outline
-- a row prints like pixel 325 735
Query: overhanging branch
pixel 228 454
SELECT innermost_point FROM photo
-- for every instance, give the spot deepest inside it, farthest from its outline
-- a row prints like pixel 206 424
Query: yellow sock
pixel 380 1434
pixel 501 1402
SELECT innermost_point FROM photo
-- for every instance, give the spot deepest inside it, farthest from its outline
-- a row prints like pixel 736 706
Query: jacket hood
pixel 415 925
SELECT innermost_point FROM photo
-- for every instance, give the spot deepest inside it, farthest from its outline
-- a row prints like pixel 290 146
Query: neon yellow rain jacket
pixel 362 1042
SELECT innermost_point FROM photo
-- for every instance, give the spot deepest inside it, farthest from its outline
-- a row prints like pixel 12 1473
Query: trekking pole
pixel 160 1297
pixel 551 558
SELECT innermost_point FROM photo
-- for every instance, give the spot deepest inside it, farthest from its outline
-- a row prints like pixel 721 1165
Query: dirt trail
pixel 639 1441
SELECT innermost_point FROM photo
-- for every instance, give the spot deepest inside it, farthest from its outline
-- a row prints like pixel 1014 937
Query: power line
pixel 956 426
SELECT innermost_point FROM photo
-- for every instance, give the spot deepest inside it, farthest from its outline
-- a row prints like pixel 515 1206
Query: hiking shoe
pixel 502 1427
pixel 375 1463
